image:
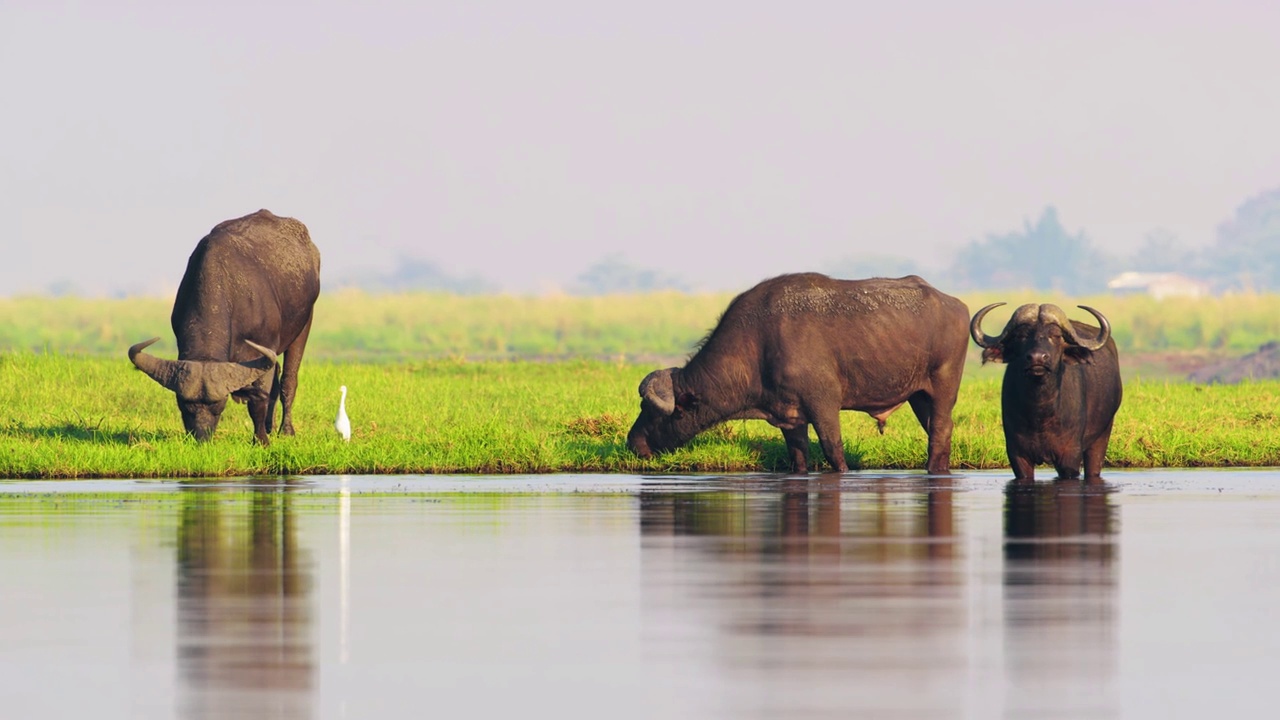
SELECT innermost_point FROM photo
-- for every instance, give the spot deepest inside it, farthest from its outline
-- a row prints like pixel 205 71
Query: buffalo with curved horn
pixel 797 349
pixel 1061 390
pixel 248 295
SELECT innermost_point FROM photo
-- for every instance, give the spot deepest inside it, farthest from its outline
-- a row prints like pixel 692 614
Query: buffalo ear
pixel 1076 355
pixel 994 354
pixel 656 389
pixel 688 401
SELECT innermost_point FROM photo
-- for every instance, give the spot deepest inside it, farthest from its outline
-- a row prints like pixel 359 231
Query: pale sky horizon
pixel 720 142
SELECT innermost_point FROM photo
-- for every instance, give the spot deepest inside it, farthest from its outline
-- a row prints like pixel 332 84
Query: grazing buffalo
pixel 797 349
pixel 1061 389
pixel 247 295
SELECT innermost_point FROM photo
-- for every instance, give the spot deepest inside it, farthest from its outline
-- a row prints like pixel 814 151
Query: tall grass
pixel 72 417
pixel 1236 323
pixel 352 325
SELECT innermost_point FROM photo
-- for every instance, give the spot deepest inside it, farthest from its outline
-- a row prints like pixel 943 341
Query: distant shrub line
pixel 354 325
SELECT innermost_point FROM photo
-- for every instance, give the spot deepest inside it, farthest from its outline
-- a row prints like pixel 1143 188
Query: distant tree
pixel 1246 254
pixel 1162 251
pixel 62 288
pixel 416 274
pixel 612 274
pixel 1043 256
pixel 865 266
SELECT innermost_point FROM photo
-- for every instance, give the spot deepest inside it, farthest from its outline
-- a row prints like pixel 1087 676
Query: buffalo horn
pixel 975 328
pixel 164 372
pixel 227 377
pixel 219 378
pixel 1103 334
pixel 1025 314
pixel 656 388
pixel 266 351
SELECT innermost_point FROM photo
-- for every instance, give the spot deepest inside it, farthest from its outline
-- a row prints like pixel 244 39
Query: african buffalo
pixel 1061 389
pixel 248 294
pixel 797 349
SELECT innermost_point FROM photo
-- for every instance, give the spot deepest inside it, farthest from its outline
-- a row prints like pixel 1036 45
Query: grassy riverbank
pixel 76 417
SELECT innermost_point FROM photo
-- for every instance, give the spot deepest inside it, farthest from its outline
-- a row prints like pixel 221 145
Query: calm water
pixel 897 596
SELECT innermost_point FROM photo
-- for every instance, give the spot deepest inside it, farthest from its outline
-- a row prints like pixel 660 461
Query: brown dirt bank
pixel 1262 364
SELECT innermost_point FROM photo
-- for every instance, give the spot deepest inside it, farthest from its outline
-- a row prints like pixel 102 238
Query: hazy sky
pixel 522 141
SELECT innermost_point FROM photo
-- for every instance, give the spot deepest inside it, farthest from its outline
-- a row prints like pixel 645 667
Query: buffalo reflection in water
pixel 876 581
pixel 1060 597
pixel 244 622
pixel 866 567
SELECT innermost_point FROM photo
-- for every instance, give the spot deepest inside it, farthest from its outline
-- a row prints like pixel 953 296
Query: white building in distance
pixel 1158 285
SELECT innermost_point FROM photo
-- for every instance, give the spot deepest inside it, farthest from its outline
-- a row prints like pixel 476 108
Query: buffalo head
pixel 202 387
pixel 1038 339
pixel 666 421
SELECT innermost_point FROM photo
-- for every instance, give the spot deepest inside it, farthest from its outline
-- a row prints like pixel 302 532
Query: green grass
pixel 79 417
pixel 434 389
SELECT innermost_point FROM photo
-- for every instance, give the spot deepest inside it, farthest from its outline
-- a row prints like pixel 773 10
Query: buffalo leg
pixel 1023 469
pixel 289 379
pixel 259 404
pixel 275 396
pixel 798 448
pixel 935 418
pixel 1095 454
pixel 1068 463
pixel 1068 472
pixel 827 425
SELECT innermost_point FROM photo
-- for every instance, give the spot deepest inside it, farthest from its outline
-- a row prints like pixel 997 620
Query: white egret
pixel 342 424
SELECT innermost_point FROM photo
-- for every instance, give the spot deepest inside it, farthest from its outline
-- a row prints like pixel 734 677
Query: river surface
pixel 1155 595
